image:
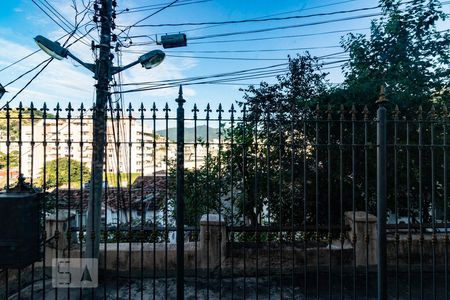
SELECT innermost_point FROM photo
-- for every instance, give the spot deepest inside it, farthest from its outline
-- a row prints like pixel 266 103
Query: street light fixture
pixel 148 61
pixel 55 50
pixel 152 59
pixel 2 91
pixel 103 71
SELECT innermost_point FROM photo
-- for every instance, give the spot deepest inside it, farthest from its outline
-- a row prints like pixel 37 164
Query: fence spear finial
pixel 366 113
pixel 382 98
pixel 353 112
pixel 329 112
pixel 180 99
pixel 433 112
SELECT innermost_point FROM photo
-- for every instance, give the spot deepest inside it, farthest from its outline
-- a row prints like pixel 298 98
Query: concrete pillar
pixel 212 234
pixel 358 238
pixel 56 230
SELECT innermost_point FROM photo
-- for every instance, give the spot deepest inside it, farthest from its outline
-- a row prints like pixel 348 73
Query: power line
pixel 271 15
pixel 48 61
pixel 27 72
pixel 277 28
pixel 261 19
pixel 251 71
pixel 147 17
pixel 259 39
pixel 155 6
pixel 285 27
pixel 279 37
pixel 224 81
pixel 51 18
pixel 67 27
pixel 241 51
pixel 41 63
pixel 28 83
pixel 27 56
pixel 230 58
pixel 227 58
pixel 254 73
pixel 216 75
pixel 264 19
pixel 20 60
pixel 56 13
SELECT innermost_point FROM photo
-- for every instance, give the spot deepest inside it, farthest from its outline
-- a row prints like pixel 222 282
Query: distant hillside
pixel 189 133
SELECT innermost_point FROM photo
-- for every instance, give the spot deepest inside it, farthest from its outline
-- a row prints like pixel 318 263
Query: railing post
pixel 180 196
pixel 381 195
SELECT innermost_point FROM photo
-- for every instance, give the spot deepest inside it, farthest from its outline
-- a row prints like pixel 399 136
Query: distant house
pixel 140 200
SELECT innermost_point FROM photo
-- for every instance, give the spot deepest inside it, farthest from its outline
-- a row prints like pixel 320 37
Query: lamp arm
pixel 90 67
pixel 116 70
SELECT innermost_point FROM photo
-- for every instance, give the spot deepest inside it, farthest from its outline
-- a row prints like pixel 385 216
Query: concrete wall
pixel 214 250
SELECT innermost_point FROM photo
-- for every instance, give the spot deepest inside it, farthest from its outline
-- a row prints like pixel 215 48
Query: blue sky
pixel 62 81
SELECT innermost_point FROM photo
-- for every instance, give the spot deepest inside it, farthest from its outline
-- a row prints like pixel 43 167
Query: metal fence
pixel 240 203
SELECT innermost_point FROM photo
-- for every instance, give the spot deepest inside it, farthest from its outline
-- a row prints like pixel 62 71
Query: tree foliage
pixel 276 169
pixel 13 159
pixel 405 51
pixel 57 173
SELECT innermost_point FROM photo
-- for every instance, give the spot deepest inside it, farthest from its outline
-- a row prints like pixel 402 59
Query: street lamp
pixel 148 61
pixel 152 59
pixel 2 91
pixel 55 50
pixel 103 71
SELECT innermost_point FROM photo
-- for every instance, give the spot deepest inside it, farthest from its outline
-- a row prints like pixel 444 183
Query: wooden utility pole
pixel 103 75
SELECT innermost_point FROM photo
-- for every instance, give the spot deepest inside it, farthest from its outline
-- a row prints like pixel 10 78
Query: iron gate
pixel 252 204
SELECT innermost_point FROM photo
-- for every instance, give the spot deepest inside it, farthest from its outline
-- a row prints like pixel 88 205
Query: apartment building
pixel 131 147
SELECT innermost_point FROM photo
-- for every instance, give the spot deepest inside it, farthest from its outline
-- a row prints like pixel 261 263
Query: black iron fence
pixel 239 204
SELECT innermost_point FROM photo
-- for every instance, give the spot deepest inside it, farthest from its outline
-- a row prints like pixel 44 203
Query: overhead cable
pixel 261 19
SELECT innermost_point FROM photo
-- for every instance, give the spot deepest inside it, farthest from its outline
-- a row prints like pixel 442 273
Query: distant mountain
pixel 189 133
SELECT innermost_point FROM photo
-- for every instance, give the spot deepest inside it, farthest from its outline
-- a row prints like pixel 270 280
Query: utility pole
pixel 103 73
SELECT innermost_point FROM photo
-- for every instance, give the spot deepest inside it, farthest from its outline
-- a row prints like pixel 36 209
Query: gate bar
pixel 180 195
pixel 381 195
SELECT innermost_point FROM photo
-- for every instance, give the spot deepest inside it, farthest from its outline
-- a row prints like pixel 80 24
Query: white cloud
pixel 64 81
pixel 60 81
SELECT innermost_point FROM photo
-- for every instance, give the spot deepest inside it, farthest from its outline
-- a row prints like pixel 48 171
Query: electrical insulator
pixel 113 26
pixel 114 38
pixel 114 15
pixel 95 19
pixel 95 6
pixel 114 3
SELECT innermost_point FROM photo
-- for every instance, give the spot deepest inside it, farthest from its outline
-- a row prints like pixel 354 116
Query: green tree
pixel 405 51
pixel 258 171
pixel 202 189
pixel 13 159
pixel 57 173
